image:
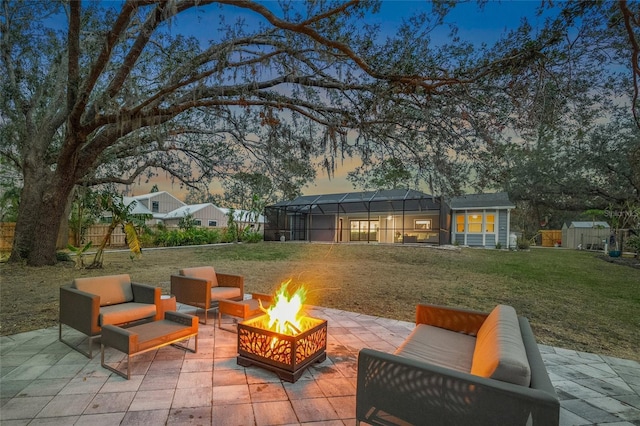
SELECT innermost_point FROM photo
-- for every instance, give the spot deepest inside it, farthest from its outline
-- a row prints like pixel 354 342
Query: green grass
pixel 573 299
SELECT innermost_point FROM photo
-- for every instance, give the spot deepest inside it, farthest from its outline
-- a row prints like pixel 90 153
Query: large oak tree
pixel 101 92
pixel 113 94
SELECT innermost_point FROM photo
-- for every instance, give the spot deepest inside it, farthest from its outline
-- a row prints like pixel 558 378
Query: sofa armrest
pixel 226 280
pixel 454 319
pixel 539 376
pixel 191 291
pixel 413 391
pixel 80 310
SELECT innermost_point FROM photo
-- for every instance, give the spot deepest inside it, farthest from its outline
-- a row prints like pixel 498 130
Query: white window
pixel 213 223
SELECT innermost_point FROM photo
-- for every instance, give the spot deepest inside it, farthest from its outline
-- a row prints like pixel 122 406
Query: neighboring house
pixel 204 215
pixel 139 208
pixel 389 216
pixel 481 220
pixel 588 235
pixel 159 203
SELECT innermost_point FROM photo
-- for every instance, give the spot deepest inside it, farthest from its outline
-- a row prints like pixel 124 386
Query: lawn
pixel 573 299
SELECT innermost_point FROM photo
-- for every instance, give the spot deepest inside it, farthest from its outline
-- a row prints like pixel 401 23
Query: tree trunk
pixel 63 233
pixel 42 206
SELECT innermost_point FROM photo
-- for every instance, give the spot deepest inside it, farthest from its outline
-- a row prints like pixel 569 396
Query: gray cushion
pixel 440 347
pixel 219 293
pixel 202 272
pixel 112 289
pixel 500 352
pixel 125 312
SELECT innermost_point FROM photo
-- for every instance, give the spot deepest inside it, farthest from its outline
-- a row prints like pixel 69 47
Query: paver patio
pixel 43 381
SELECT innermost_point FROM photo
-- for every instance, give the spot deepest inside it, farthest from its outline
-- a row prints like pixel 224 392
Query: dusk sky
pixel 474 25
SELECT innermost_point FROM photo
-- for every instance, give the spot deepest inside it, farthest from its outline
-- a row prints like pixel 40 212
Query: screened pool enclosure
pixel 391 216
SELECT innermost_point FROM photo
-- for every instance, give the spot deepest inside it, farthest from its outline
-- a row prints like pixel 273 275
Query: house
pixel 588 235
pixel 159 203
pixel 386 216
pixel 481 220
pixel 138 208
pixel 204 215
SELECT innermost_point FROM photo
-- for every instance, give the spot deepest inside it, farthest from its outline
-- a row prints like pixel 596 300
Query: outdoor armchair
pixel 89 303
pixel 202 287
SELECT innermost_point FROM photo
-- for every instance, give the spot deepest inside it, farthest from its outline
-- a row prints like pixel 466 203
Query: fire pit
pixel 283 340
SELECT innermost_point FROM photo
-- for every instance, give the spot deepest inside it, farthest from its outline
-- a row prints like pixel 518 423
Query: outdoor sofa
pixel 203 287
pixel 90 303
pixel 458 367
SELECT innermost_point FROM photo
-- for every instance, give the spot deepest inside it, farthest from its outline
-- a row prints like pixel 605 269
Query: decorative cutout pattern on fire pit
pixel 278 350
pixel 284 354
pixel 311 344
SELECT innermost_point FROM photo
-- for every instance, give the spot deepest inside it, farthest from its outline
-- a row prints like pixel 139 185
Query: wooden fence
pixel 551 237
pixel 95 234
pixel 7 231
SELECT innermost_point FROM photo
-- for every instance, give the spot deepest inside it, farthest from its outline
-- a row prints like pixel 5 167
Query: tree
pixel 115 96
pixel 391 173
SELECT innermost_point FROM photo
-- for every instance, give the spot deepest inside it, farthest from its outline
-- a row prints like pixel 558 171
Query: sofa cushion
pixel 112 289
pixel 219 293
pixel 440 347
pixel 202 272
pixel 500 353
pixel 125 312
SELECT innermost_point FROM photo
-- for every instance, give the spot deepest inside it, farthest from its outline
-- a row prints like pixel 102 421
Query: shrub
pixel 634 243
pixel 522 243
pixel 251 237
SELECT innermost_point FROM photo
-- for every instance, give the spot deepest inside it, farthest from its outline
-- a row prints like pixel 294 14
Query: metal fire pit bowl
pixel 285 355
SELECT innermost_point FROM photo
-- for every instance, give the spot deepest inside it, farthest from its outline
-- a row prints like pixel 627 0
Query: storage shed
pixel 587 235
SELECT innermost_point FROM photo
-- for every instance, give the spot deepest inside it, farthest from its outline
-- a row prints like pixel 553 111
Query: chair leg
pixel 88 354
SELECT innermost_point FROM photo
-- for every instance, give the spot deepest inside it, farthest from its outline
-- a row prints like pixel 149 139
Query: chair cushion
pixel 125 312
pixel 112 289
pixel 202 272
pixel 500 353
pixel 219 293
pixel 440 347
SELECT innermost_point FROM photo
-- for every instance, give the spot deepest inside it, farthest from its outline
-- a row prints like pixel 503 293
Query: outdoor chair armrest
pixel 191 291
pixel 80 310
pixel 413 391
pixel 454 319
pixel 145 293
pixel 227 280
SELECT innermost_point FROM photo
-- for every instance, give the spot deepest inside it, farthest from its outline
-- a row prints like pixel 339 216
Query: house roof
pixel 588 224
pixel 183 211
pixel 155 194
pixel 497 200
pixel 139 208
pixel 354 202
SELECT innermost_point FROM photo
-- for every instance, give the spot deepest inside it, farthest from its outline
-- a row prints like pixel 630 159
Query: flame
pixel 285 311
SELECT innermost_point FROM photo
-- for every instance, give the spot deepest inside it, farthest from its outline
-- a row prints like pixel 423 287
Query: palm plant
pixel 121 215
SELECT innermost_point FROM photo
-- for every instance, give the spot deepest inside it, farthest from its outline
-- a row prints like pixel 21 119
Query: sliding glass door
pixel 364 230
